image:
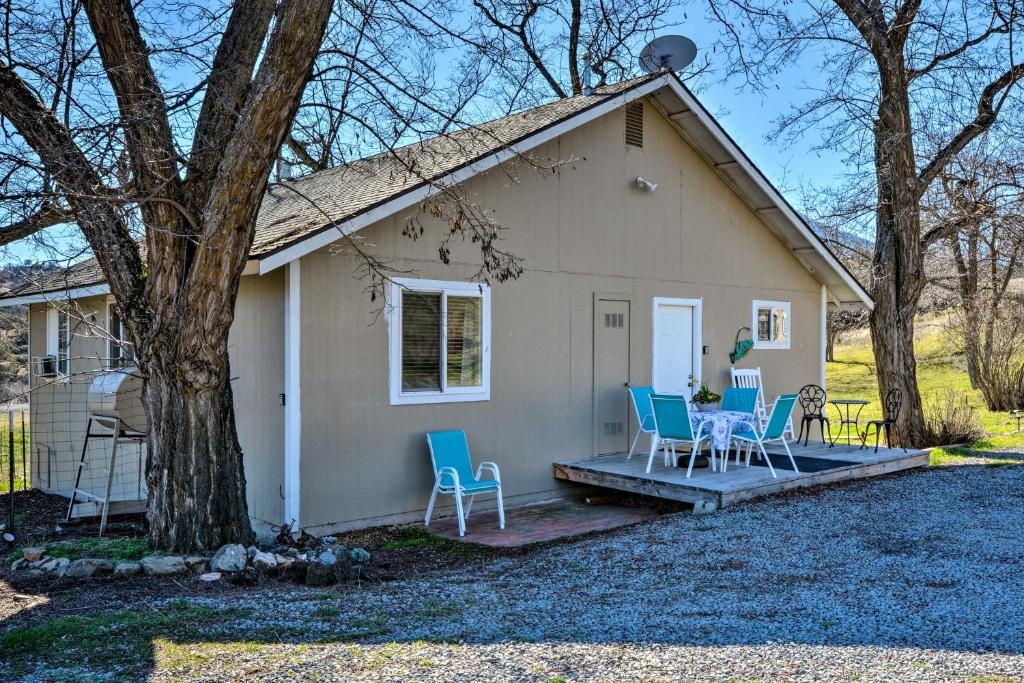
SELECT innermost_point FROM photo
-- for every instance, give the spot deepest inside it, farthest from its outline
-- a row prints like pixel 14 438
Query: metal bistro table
pixel 848 403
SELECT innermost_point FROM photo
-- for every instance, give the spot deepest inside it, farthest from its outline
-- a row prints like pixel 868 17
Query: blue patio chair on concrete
pixel 672 427
pixel 453 475
pixel 775 431
pixel 645 418
pixel 740 399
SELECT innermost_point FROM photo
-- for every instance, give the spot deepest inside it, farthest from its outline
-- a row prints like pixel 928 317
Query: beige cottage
pixel 624 283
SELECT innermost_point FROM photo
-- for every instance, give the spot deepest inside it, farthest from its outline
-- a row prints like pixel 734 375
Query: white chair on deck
pixel 750 378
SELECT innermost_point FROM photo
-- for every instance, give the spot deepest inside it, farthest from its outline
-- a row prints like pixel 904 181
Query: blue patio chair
pixel 775 431
pixel 740 399
pixel 672 427
pixel 453 475
pixel 645 418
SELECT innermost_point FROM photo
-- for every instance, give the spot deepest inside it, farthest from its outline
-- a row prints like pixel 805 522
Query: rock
pixel 320 574
pixel 358 556
pixel 127 569
pixel 284 562
pixel 251 551
pixel 265 562
pixel 265 540
pixel 328 540
pixel 32 554
pixel 327 558
pixel 195 564
pixel 18 564
pixel 9 537
pixel 230 558
pixel 210 577
pixel 162 565
pixel 343 569
pixel 55 565
pixel 88 567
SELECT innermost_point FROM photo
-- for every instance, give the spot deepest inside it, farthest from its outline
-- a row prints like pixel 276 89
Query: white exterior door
pixel 676 352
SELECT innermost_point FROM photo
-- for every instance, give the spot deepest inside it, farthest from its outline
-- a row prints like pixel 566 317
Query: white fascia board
pixel 758 178
pixel 360 221
pixel 60 295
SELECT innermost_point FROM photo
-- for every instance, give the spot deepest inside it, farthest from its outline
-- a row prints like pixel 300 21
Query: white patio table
pixel 720 425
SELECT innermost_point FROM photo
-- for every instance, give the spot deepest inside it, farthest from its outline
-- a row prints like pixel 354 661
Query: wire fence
pixel 14 458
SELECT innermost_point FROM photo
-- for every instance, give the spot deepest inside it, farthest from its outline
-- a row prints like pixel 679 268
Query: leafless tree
pixel 977 211
pixel 886 67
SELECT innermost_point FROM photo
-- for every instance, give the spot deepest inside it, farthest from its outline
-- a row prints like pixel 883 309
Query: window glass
pixel 122 353
pixel 772 324
pixel 63 342
pixel 465 341
pixel 421 341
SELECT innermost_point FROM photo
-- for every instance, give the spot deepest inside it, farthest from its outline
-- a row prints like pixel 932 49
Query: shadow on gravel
pixel 929 560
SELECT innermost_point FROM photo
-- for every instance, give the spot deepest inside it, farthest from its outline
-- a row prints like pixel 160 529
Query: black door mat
pixel 803 462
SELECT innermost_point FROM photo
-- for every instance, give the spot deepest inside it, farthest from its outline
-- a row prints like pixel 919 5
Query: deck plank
pixel 736 483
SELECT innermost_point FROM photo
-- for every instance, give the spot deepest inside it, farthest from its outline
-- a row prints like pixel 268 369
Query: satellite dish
pixel 668 52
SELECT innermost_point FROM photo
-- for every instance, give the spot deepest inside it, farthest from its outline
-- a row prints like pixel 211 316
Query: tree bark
pixel 898 263
pixel 194 472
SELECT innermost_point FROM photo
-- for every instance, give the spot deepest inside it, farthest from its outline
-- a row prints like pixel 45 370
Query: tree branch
pixel 48 215
pixel 988 109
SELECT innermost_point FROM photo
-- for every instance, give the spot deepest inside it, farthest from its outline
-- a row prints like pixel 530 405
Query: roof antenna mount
pixel 673 53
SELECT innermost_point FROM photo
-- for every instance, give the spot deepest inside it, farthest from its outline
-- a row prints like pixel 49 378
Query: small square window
pixel 439 333
pixel 772 325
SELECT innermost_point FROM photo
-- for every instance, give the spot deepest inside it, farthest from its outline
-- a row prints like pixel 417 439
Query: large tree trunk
pixel 194 471
pixel 898 267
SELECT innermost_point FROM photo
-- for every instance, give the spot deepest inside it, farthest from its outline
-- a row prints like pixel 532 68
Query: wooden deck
pixel 714 490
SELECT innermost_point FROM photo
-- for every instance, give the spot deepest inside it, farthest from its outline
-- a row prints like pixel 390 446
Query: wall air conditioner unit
pixel 44 366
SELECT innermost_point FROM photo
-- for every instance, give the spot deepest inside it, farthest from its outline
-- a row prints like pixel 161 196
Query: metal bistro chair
pixel 890 413
pixel 641 397
pixel 812 402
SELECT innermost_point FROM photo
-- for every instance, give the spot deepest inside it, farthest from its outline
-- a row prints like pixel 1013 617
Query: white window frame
pixel 53 314
pixel 759 304
pixel 398 288
pixel 117 340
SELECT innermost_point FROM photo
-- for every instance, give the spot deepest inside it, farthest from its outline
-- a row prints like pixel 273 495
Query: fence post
pixel 24 456
pixel 10 472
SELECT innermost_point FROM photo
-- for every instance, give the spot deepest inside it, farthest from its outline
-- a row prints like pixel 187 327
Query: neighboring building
pixel 621 285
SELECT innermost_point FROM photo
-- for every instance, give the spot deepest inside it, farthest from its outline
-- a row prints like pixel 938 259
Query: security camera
pixel 645 185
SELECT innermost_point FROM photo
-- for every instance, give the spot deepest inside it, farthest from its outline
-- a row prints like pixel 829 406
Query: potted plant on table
pixel 705 399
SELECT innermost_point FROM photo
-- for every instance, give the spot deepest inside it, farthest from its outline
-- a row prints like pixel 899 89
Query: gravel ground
pixel 916 576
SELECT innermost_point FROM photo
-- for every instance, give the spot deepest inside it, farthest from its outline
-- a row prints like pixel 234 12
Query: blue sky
pixel 747 116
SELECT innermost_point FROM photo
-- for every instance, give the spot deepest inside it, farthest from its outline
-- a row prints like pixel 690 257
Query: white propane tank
pixel 118 394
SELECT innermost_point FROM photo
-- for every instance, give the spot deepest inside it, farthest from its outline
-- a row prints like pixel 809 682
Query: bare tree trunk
pixel 195 472
pixel 898 268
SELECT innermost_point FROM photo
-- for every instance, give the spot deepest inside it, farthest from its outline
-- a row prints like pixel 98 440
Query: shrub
pixel 950 419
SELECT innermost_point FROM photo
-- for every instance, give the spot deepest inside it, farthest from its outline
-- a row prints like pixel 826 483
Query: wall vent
pixel 635 124
pixel 613 428
pixel 614 320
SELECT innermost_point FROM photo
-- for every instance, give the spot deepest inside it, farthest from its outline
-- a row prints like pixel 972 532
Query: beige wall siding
pixel 257 367
pixel 582 230
pixel 59 412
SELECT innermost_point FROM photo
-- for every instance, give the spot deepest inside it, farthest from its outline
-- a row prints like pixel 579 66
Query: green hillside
pixel 939 369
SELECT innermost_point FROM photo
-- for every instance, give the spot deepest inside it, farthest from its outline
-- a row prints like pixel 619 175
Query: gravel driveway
pixel 911 577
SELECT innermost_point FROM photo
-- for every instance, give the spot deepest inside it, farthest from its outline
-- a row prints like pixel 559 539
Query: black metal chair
pixel 890 413
pixel 812 402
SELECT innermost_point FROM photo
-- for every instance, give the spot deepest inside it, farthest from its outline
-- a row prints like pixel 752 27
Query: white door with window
pixel 677 346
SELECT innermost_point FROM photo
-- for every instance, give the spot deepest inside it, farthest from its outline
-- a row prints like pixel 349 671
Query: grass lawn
pixel 22 449
pixel 939 368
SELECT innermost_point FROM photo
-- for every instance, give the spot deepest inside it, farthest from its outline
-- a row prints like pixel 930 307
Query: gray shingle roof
pixel 297 209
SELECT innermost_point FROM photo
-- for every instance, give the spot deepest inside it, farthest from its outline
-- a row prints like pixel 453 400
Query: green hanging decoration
pixel 743 346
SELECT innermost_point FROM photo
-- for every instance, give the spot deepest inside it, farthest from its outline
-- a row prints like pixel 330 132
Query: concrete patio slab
pixel 540 522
